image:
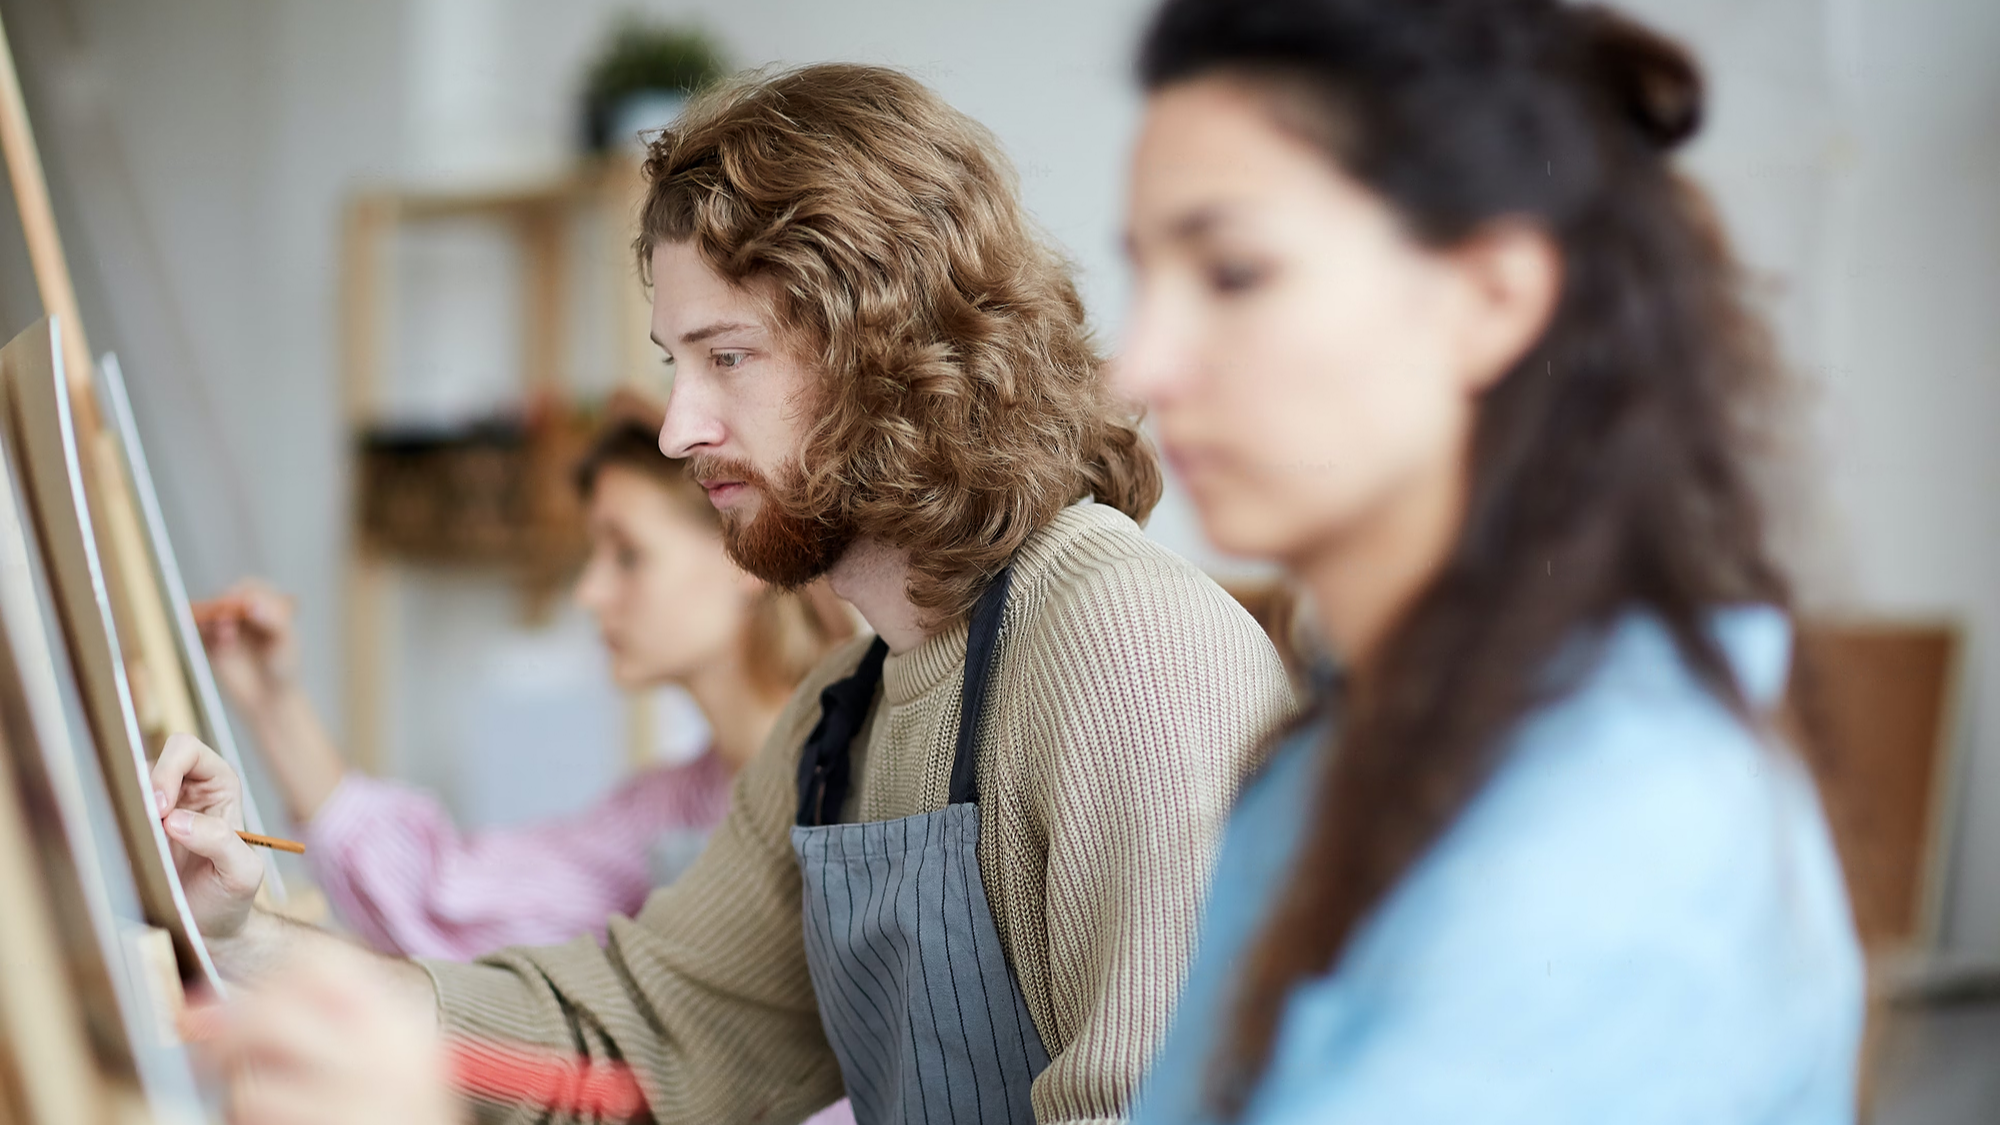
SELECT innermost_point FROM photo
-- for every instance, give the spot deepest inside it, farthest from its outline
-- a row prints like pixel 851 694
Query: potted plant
pixel 645 74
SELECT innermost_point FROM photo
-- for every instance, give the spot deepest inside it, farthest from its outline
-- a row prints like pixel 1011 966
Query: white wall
pixel 1856 152
pixel 1855 148
pixel 1912 373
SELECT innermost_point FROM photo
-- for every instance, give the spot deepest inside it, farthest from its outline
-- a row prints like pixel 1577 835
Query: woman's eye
pixel 729 360
pixel 1236 277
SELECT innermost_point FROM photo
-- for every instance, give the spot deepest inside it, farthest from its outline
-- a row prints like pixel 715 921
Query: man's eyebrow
pixel 706 332
pixel 713 330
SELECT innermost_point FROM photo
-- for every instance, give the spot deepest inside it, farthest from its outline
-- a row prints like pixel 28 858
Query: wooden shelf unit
pixel 543 219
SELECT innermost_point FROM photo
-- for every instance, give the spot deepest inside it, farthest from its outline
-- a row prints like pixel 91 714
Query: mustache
pixel 708 468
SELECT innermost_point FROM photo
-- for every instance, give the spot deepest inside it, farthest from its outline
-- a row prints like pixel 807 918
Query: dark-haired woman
pixel 1425 314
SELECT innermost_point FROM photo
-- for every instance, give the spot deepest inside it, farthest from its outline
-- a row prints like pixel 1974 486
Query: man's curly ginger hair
pixel 962 402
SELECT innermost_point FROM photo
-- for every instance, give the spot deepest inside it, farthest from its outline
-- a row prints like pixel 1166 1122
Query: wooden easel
pixel 39 430
pixel 47 1073
pixel 165 671
pixel 82 1036
pixel 87 1002
pixel 160 688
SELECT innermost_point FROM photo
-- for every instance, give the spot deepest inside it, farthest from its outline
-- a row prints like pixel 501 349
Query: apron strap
pixel 981 642
pixel 843 710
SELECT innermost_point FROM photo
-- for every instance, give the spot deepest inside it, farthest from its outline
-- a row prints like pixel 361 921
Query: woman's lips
pixel 1189 462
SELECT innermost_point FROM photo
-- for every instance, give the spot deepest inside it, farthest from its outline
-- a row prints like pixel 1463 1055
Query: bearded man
pixel 961 881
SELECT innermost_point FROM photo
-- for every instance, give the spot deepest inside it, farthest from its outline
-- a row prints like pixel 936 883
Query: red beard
pixel 778 545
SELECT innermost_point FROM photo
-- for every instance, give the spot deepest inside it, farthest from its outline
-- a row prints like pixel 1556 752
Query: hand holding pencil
pixel 200 802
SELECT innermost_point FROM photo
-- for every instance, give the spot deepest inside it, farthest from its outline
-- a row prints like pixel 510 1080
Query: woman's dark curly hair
pixel 962 403
pixel 1609 469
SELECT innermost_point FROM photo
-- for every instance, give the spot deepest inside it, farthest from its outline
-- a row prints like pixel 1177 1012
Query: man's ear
pixel 1512 274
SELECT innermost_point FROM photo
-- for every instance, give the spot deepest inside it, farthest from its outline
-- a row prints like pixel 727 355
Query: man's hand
pixel 327 1039
pixel 251 644
pixel 201 801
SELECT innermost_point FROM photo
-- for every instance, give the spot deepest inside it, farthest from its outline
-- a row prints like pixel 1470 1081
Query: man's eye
pixel 727 360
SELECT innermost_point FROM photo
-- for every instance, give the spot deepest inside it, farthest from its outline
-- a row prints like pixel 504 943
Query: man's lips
pixel 722 491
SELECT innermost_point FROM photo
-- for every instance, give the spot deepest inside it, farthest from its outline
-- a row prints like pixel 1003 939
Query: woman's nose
pixel 591 589
pixel 1153 363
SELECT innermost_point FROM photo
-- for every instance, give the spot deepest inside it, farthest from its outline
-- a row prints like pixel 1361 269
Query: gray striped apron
pixel 914 988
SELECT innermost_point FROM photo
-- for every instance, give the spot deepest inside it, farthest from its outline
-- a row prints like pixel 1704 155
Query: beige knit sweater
pixel 1130 699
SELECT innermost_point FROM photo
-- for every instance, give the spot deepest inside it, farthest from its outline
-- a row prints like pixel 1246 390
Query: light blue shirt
pixel 1639 921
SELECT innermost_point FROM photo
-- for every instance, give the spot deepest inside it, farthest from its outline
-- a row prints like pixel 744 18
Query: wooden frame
pixel 211 720
pixel 46 759
pixel 47 1074
pixel 35 415
pixel 43 790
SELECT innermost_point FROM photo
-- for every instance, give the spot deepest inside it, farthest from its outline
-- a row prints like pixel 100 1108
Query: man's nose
pixel 691 423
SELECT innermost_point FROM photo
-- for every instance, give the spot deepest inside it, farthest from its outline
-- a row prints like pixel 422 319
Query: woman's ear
pixel 1512 273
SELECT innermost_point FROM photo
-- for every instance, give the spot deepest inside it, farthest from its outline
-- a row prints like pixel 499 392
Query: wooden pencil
pixel 292 846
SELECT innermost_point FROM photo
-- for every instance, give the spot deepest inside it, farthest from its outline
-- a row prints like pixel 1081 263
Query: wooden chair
pixel 1872 704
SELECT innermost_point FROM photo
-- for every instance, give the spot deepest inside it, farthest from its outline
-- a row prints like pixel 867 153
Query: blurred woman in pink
pixel 672 609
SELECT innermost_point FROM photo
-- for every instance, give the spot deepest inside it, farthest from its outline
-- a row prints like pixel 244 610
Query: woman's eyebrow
pixel 1194 226
pixel 1199 223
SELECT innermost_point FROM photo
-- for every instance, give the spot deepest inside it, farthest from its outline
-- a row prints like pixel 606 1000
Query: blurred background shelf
pixel 493 494
pixel 486 487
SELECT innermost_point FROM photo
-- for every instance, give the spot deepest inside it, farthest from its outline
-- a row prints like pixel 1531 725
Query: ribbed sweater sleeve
pixel 1138 715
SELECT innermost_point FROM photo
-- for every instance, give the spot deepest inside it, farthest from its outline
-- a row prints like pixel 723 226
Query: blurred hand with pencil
pixel 251 644
pixel 253 648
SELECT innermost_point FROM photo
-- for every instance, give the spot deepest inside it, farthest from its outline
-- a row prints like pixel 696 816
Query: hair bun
pixel 1652 79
